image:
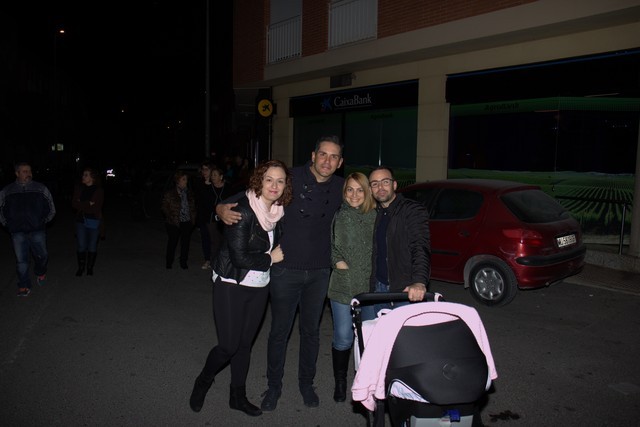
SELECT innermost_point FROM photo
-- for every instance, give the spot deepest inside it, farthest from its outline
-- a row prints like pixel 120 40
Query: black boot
pixel 82 261
pixel 340 367
pixel 200 389
pixel 238 400
pixel 91 261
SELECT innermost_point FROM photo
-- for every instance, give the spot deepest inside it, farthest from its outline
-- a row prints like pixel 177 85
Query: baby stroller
pixel 430 361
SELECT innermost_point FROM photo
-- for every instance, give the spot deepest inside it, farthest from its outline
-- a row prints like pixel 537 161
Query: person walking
pixel 179 209
pixel 26 206
pixel 209 190
pixel 87 201
pixel 351 244
pixel 241 282
pixel 401 260
pixel 300 282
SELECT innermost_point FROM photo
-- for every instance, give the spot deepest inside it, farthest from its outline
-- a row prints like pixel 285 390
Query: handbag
pixel 91 223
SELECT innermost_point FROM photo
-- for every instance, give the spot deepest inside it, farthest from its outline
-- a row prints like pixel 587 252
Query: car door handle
pixel 463 233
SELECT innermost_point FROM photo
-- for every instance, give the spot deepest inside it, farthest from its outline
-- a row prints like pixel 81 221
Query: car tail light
pixel 524 236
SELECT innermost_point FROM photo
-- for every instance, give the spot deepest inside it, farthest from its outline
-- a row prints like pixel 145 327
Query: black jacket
pixel 25 208
pixel 245 245
pixel 408 245
pixel 306 239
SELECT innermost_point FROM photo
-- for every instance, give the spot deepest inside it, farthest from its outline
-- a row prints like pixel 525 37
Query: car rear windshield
pixel 534 206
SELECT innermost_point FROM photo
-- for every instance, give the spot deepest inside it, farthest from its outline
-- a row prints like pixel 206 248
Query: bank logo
pixel 355 101
pixel 345 103
pixel 325 105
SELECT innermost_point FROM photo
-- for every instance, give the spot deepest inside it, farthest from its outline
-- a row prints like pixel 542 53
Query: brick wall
pixel 315 26
pixel 250 21
pixel 400 16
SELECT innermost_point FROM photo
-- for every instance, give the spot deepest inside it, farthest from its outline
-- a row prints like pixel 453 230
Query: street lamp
pixel 55 102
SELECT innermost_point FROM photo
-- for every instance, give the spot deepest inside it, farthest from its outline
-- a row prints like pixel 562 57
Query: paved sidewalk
pixel 607 278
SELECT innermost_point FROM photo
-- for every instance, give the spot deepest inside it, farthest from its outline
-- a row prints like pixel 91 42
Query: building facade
pixel 391 76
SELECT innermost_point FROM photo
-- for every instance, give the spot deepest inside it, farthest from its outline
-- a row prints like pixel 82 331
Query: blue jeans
pixel 35 243
pixel 87 238
pixel 289 290
pixel 342 326
pixel 370 311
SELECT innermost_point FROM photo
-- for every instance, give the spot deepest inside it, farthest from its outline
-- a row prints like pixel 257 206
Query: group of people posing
pixel 295 237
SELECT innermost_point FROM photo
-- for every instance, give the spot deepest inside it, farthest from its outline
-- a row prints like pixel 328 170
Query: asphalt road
pixel 123 347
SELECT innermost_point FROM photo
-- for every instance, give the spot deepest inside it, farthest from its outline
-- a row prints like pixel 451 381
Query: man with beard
pixel 401 259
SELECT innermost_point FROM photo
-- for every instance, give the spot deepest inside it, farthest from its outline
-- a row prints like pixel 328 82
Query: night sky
pixel 138 68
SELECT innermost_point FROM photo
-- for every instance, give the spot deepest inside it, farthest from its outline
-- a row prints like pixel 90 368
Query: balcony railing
pixel 351 21
pixel 284 40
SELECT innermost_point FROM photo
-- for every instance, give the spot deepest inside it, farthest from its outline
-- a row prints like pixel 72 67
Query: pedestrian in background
pixel 209 190
pixel 221 190
pixel 179 209
pixel 241 279
pixel 26 206
pixel 87 201
pixel 351 243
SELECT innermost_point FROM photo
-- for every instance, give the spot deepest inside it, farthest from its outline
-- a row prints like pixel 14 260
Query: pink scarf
pixel 266 217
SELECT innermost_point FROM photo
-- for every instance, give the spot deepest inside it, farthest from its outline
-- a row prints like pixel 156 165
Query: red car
pixel 497 236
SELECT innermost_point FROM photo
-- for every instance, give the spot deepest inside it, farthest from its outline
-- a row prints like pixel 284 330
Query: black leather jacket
pixel 244 245
pixel 408 245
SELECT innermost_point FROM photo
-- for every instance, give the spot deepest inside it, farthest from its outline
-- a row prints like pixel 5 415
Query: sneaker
pixel 42 280
pixel 23 292
pixel 270 400
pixel 206 265
pixel 309 396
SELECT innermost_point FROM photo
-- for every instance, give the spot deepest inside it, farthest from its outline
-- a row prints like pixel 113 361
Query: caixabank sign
pixel 392 95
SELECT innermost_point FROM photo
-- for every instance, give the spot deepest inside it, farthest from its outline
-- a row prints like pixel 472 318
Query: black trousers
pixel 238 311
pixel 179 233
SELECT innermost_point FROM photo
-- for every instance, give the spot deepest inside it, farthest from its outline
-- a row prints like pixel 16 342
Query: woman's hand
pixel 226 215
pixel 277 255
pixel 341 265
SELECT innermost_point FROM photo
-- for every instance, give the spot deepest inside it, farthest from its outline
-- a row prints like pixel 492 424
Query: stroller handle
pixel 369 297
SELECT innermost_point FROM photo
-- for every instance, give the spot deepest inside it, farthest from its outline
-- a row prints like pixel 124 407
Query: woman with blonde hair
pixel 351 246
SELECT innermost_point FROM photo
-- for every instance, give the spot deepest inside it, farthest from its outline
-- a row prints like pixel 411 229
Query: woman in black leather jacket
pixel 240 281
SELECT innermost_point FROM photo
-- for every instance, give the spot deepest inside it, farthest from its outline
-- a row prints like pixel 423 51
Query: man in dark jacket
pixel 401 259
pixel 26 207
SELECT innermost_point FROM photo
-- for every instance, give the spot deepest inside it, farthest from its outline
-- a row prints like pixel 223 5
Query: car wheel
pixel 493 283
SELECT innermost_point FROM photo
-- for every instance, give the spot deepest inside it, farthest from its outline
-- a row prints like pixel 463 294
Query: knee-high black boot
pixel 82 261
pixel 238 400
pixel 91 261
pixel 340 368
pixel 200 389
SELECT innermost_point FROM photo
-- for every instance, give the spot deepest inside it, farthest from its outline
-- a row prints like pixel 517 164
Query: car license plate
pixel 566 240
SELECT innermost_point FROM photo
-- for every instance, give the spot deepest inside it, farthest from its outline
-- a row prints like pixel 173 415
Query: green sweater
pixel 351 242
